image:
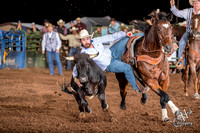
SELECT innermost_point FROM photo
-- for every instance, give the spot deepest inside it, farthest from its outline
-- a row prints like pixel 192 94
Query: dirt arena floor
pixel 31 101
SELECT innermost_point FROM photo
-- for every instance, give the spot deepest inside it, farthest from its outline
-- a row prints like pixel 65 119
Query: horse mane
pixel 141 25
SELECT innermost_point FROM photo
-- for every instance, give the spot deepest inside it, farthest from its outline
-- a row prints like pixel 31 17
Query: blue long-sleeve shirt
pixel 104 57
pixel 114 28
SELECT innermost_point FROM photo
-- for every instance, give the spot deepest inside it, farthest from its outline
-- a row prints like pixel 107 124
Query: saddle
pixel 128 56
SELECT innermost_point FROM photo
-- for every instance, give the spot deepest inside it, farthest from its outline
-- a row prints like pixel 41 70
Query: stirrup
pixel 179 66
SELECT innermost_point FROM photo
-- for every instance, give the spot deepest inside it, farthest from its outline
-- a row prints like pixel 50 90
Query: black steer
pixel 93 80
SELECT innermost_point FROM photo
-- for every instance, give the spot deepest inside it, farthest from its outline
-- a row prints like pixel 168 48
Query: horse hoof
pixel 185 94
pixel 196 96
pixel 166 119
pixel 177 114
pixel 144 98
pixel 82 115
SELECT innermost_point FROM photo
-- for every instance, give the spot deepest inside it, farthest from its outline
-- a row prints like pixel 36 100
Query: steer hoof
pixel 106 109
pixel 196 96
pixel 123 106
pixel 82 115
pixel 88 110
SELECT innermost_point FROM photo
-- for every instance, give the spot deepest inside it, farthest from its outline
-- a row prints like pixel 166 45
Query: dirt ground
pixel 31 101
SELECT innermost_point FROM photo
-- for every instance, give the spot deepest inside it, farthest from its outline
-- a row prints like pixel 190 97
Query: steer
pixel 93 80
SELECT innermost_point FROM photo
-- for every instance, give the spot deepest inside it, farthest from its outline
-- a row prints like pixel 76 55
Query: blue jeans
pixel 72 52
pixel 182 44
pixel 117 66
pixel 50 55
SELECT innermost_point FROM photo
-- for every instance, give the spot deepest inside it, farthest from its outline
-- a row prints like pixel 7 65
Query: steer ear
pixel 94 55
pixel 69 58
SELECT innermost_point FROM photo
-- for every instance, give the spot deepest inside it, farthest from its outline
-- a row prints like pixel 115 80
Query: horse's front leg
pixel 195 80
pixel 186 81
pixel 123 83
pixel 164 99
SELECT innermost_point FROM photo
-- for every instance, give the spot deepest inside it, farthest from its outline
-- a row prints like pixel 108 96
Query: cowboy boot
pixel 180 66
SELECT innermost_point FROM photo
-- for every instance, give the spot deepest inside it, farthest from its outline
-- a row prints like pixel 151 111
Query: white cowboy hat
pixel 60 21
pixel 84 33
pixel 192 1
pixel 73 28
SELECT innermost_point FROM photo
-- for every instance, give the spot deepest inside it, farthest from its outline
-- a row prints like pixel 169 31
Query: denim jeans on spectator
pixel 50 55
pixel 182 44
pixel 117 66
pixel 72 52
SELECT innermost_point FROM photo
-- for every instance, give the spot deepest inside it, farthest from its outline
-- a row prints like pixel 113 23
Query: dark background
pixel 122 10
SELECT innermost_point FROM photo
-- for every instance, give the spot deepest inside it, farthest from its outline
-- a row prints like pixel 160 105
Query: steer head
pixel 82 62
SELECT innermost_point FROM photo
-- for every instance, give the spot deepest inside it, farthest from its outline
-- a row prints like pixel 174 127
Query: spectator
pixel 97 32
pixel 70 29
pixel 80 25
pixel 61 28
pixel 74 44
pixel 20 27
pixel 51 41
pixel 34 28
pixel 113 27
pixel 44 28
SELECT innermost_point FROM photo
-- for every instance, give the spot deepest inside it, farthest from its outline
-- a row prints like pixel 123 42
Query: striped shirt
pixel 186 14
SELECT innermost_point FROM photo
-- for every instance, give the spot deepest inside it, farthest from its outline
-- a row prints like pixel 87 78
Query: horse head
pixel 195 25
pixel 163 31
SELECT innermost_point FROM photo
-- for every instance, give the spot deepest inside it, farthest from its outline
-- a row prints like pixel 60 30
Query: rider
pixel 109 59
pixel 186 14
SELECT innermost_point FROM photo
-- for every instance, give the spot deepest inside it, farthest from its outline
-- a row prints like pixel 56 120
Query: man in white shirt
pixel 108 59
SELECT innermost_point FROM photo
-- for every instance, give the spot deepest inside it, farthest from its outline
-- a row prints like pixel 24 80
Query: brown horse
pixel 193 58
pixel 152 65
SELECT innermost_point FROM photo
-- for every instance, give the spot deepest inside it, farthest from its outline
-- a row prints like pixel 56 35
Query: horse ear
pixel 170 17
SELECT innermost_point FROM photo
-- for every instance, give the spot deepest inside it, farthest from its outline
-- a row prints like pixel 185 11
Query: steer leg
pixel 102 96
pixel 84 103
pixel 81 109
pixel 123 83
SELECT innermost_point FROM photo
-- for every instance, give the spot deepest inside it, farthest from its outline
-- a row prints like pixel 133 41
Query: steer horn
pixel 94 55
pixel 69 58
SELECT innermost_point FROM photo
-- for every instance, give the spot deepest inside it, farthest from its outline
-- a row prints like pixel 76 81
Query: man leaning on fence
pixel 51 41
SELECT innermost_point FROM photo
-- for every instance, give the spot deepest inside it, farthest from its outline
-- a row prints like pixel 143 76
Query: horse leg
pixel 123 83
pixel 102 96
pixel 195 80
pixel 198 84
pixel 164 99
pixel 186 81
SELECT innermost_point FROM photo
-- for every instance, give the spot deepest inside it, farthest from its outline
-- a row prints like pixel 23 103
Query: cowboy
pixel 74 44
pixel 51 41
pixel 186 14
pixel 107 57
pixel 34 28
pixel 114 26
pixel 80 25
pixel 44 28
pixel 61 28
pixel 20 27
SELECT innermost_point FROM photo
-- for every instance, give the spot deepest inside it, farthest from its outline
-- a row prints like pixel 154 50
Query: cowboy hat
pixel 60 21
pixel 50 25
pixel 192 1
pixel 73 28
pixel 84 33
pixel 78 19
